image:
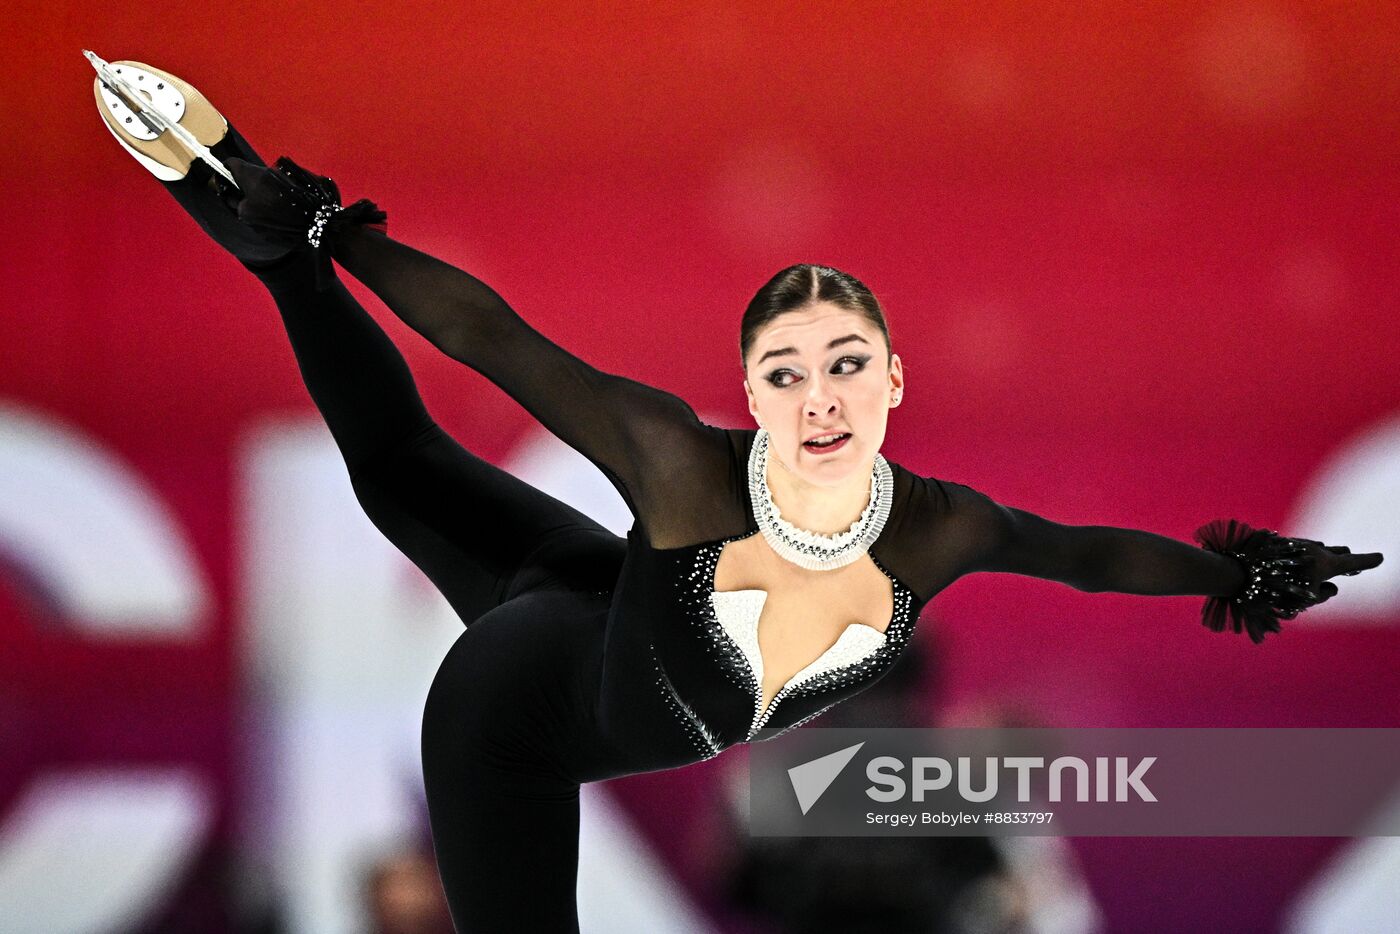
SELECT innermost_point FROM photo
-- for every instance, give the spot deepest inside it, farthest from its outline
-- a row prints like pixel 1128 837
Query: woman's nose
pixel 821 401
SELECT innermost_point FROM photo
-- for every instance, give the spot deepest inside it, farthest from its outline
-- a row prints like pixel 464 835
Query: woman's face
pixel 818 371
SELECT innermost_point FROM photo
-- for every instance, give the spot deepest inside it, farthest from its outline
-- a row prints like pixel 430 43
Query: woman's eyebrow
pixel 784 351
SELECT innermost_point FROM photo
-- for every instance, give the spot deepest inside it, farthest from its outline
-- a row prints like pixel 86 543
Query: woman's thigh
pixel 480 534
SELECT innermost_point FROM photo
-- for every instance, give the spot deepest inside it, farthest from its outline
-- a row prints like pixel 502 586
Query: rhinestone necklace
pixel 813 550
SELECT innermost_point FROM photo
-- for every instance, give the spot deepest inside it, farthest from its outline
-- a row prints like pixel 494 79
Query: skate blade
pixel 161 153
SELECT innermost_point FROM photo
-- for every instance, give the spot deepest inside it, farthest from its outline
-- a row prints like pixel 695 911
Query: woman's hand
pixel 270 204
pixel 298 209
pixel 283 201
pixel 1316 563
pixel 1283 576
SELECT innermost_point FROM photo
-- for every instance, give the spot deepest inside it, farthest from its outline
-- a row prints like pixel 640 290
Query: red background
pixel 1141 267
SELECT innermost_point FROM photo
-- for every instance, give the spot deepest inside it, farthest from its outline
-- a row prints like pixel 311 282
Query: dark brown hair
pixel 805 284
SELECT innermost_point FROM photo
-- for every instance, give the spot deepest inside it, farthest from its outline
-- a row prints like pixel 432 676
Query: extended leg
pixel 476 531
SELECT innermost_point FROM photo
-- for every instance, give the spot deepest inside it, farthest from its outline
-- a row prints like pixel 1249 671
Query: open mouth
pixel 827 443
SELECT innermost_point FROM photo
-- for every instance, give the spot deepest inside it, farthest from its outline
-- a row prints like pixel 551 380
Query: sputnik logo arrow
pixel 810 780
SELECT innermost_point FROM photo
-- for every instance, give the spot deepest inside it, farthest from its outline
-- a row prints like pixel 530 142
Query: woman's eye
pixel 857 364
pixel 843 367
pixel 777 378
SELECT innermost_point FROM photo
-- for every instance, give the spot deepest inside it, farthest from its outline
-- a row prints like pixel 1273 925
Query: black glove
pixel 1283 576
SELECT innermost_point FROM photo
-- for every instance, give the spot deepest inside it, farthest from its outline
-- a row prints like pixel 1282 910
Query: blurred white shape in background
pixel 339 645
pixel 622 887
pixel 87 851
pixel 1358 889
pixel 1354 499
pixel 1057 897
pixel 91 540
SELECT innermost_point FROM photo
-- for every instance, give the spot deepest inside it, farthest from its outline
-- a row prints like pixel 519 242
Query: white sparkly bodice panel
pixel 738 612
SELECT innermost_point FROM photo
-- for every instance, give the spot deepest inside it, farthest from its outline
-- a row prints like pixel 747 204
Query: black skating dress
pixel 587 656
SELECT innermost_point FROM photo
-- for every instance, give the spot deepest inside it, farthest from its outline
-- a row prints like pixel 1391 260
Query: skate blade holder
pixel 161 151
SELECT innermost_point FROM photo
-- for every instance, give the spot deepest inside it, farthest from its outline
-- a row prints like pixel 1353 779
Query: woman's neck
pixel 825 510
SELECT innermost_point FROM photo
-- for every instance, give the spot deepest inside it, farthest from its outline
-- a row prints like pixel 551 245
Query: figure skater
pixel 769 573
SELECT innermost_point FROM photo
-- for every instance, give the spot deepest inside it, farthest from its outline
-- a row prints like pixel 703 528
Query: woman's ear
pixel 896 380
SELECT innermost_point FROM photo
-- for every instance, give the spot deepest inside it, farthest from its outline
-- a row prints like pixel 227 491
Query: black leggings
pixel 508 720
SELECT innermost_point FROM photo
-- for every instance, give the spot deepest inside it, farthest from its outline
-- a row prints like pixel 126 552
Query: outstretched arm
pixel 649 443
pixel 1092 558
pixel 1255 577
pixel 457 312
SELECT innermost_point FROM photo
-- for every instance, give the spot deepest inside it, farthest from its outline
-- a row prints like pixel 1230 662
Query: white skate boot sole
pixel 171 124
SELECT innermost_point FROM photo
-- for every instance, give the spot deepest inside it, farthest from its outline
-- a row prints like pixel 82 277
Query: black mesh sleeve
pixel 985 535
pixel 674 471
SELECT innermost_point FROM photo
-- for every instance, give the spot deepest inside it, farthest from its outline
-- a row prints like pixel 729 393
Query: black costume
pixel 587 656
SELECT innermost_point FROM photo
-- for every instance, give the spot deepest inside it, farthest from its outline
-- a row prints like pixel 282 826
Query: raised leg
pixel 477 532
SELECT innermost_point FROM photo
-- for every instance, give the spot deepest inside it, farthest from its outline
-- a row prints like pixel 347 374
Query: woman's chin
pixel 832 468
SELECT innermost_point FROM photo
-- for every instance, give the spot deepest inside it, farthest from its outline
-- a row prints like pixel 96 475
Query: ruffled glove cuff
pixel 1277 585
pixel 300 210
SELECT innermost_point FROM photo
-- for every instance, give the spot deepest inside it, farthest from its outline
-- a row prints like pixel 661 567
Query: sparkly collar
pixel 813 550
